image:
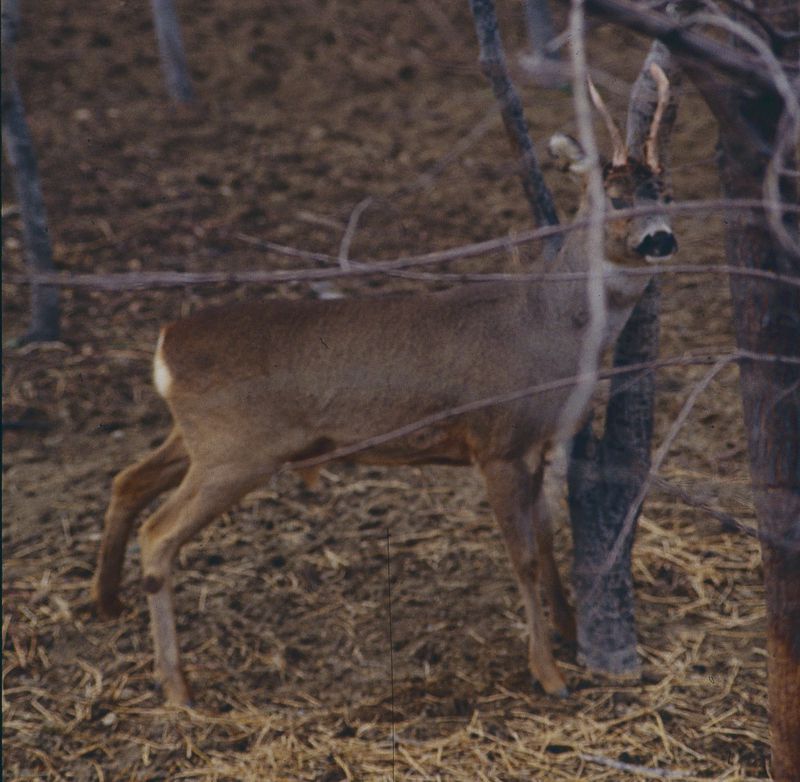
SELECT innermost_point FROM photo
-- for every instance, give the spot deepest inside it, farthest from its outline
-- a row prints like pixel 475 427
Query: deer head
pixel 633 178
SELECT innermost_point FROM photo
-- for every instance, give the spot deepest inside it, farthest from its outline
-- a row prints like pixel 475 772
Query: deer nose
pixel 660 244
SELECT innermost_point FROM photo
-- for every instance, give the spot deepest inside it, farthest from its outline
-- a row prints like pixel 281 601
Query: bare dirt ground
pixel 306 108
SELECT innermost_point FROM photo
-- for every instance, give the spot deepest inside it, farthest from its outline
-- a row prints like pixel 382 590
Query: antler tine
pixel 620 153
pixel 651 144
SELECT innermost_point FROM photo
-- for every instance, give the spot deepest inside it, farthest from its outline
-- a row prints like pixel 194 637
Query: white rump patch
pixel 161 374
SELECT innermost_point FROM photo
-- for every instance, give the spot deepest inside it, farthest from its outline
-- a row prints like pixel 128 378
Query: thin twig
pixel 632 768
pixel 134 280
pixel 729 523
pixel 350 231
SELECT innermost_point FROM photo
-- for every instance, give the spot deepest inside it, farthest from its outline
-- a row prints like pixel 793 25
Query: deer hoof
pixel 178 695
pixel 555 687
pixel 109 606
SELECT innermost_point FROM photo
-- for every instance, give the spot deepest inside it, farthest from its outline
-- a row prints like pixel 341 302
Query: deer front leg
pixel 511 493
pixel 563 615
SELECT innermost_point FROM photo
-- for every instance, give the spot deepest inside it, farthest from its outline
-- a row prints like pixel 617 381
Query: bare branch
pixel 153 280
pixel 701 49
pixel 788 133
pixel 170 46
pixel 18 144
pixel 350 231
pixel 492 59
pixel 145 280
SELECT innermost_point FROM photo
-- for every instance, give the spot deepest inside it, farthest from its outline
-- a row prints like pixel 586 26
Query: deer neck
pixel 569 299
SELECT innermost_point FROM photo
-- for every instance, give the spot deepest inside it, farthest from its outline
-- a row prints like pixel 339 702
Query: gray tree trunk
pixel 604 477
pixel 539 23
pixel 170 47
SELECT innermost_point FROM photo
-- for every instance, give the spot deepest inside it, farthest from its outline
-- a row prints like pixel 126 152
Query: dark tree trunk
pixel 768 322
pixel 605 475
pixel 170 47
pixel 18 145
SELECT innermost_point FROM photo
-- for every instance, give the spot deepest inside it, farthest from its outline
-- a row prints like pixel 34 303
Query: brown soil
pixel 306 108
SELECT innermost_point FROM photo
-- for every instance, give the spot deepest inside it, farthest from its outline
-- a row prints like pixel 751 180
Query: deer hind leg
pixel 563 616
pixel 202 496
pixel 132 490
pixel 512 494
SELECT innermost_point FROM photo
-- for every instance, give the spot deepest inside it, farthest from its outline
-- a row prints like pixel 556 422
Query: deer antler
pixel 620 153
pixel 651 144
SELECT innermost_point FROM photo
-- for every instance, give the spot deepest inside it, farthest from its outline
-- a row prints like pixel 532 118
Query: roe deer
pixel 258 385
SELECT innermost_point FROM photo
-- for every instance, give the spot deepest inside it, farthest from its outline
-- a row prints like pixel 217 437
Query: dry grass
pixel 285 630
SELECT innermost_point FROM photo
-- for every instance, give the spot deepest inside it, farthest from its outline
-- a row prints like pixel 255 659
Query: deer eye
pixel 617 203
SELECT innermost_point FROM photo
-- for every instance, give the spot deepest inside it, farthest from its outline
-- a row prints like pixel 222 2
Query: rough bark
pixel 170 47
pixel 45 314
pixel 768 322
pixel 604 477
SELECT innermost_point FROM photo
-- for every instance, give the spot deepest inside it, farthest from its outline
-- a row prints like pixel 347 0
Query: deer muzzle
pixel 657 245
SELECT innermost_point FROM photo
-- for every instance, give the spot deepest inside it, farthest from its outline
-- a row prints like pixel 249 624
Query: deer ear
pixel 568 153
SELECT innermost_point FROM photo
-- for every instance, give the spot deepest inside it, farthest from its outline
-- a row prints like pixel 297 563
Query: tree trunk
pixel 45 315
pixel 604 477
pixel 768 322
pixel 170 47
pixel 539 22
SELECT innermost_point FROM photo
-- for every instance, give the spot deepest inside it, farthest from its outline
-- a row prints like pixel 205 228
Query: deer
pixel 265 384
